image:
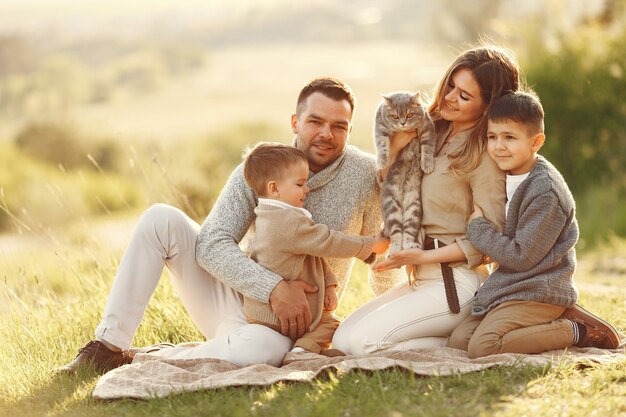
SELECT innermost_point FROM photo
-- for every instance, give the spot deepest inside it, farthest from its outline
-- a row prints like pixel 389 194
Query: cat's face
pixel 322 129
pixel 403 112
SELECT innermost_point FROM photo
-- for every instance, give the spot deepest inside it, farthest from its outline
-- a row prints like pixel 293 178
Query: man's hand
pixel 288 300
pixel 330 298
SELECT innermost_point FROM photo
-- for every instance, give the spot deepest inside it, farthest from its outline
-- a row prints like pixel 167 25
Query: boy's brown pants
pixel 514 327
pixel 319 338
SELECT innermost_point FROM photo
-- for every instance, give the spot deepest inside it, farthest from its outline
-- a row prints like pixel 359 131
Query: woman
pixel 419 314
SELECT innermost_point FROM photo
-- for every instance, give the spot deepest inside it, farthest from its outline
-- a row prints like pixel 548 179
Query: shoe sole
pixel 302 358
pixel 593 321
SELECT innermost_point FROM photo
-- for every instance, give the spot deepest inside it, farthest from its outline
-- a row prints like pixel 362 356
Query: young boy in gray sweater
pixel 527 305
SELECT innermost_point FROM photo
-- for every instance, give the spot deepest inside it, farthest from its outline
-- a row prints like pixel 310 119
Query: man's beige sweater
pixel 293 246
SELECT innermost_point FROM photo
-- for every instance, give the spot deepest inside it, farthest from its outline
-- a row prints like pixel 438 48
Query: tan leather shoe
pixel 95 355
pixel 595 332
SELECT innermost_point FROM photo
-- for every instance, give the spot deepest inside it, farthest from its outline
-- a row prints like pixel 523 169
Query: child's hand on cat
pixel 381 244
pixel 330 298
pixel 477 213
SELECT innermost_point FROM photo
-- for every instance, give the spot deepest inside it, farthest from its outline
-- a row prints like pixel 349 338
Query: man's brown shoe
pixel 95 355
pixel 594 332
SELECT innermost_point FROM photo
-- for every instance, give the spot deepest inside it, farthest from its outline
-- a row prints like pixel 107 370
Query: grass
pixel 56 275
pixel 54 288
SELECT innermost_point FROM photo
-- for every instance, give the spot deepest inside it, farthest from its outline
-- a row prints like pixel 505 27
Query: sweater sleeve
pixel 329 277
pixel 487 183
pixel 318 240
pixel 217 249
pixel 539 227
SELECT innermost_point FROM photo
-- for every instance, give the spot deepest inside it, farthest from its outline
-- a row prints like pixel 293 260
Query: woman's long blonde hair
pixel 496 71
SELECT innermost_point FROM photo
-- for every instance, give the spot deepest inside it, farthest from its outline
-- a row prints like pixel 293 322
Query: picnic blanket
pixel 151 376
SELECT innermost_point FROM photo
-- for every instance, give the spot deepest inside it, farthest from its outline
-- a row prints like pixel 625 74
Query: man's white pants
pixel 165 236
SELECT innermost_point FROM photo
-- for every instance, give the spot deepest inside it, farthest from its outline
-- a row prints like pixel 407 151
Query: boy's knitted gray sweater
pixel 344 196
pixel 536 250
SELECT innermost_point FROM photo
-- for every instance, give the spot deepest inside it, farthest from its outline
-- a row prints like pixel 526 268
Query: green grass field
pixel 65 231
pixel 174 137
pixel 54 286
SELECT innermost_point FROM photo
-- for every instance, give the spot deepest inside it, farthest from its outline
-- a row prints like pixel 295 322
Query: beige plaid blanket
pixel 151 376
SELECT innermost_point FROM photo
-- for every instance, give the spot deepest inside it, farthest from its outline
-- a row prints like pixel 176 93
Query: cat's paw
pixel 412 245
pixel 382 160
pixel 428 166
pixel 395 247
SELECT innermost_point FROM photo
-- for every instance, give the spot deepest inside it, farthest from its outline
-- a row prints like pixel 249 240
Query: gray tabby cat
pixel 401 191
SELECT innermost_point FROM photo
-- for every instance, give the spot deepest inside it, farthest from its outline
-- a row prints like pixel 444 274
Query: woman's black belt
pixel 448 276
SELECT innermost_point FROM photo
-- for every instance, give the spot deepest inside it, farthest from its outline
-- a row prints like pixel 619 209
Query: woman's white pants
pixel 408 317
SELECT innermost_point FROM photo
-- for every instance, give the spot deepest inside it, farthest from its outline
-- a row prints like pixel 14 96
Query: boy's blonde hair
pixel 522 107
pixel 267 161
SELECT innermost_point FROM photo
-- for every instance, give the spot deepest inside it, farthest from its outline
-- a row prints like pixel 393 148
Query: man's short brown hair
pixel 331 88
pixel 266 161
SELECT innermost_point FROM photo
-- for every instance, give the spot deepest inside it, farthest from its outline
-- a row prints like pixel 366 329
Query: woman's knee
pixel 349 342
pixel 340 339
pixel 362 342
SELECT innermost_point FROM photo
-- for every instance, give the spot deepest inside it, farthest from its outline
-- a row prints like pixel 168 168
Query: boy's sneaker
pixel 97 356
pixel 291 357
pixel 594 332
pixel 332 353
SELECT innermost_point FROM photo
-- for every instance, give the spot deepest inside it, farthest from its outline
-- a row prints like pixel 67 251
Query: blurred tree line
pixel 52 172
pixel 580 77
pixel 578 71
pixel 35 80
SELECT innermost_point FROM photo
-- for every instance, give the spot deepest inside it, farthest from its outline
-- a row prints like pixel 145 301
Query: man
pixel 210 270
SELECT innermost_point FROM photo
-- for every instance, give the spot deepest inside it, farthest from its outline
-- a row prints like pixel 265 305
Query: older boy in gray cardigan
pixel 528 304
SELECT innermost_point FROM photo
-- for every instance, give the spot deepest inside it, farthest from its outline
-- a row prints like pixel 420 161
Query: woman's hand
pixel 398 259
pixel 398 141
